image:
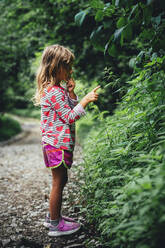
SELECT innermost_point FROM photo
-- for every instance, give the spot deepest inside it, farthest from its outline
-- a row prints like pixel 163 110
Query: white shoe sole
pixel 58 233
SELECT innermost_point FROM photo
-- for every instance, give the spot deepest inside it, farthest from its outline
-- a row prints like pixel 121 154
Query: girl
pixel 59 111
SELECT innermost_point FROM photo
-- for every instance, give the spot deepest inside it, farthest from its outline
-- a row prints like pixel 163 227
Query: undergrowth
pixel 124 191
pixel 9 127
pixel 31 113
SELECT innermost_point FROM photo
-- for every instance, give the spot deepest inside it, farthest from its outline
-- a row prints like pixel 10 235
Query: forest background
pixel 120 45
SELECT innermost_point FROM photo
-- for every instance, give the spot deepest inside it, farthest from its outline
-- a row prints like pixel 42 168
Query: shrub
pixel 29 112
pixel 9 127
pixel 124 191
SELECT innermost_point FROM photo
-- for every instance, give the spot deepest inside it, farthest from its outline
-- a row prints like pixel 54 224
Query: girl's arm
pixel 56 98
pixel 90 97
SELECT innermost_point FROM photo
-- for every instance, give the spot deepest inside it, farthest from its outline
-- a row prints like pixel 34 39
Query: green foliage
pixel 9 127
pixel 19 31
pixel 26 27
pixel 125 165
pixel 126 32
pixel 102 34
pixel 121 18
pixel 31 113
pixel 84 126
pixel 79 18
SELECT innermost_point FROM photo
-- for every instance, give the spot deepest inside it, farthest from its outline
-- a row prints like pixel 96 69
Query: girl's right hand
pixel 90 97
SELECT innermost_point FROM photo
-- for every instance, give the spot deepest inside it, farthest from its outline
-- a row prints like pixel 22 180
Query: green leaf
pixel 112 50
pixel 106 48
pixel 147 13
pixel 121 22
pixel 122 39
pixel 132 11
pixel 156 20
pixel 108 24
pixel 95 33
pixel 132 62
pixel 99 193
pixel 117 2
pixel 97 4
pixel 107 45
pixel 99 15
pixel 128 32
pixel 79 17
pixel 162 219
pixel 118 32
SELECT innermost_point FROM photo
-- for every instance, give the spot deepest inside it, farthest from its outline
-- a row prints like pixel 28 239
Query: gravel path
pixel 24 193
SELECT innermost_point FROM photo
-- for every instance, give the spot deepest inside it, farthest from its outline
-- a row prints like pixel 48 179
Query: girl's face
pixel 65 73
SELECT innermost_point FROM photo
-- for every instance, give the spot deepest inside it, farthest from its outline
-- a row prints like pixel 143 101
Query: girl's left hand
pixel 70 85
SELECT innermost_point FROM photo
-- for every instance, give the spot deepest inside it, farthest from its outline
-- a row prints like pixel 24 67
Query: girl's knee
pixel 59 177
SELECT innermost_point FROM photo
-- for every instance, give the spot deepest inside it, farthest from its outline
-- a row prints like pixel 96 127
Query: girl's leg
pixel 59 180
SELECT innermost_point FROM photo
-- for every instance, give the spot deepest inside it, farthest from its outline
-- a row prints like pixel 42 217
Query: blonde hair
pixel 54 58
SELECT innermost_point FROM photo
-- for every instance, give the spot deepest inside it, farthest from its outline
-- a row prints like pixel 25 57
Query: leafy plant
pixel 9 127
pixel 124 165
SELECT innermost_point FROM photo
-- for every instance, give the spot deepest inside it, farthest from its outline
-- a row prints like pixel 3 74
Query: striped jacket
pixel 58 115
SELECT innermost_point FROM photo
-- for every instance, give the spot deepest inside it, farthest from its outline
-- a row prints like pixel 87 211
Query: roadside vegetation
pixel 124 172
pixel 9 127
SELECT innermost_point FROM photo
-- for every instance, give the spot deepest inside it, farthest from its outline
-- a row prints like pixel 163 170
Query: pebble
pixel 74 246
pixel 5 242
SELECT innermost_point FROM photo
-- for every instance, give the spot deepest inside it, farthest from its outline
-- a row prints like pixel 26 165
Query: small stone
pixel 13 225
pixel 81 236
pixel 75 246
pixel 5 242
pixel 13 237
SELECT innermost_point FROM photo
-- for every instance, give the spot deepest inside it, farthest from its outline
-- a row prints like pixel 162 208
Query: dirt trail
pixel 24 192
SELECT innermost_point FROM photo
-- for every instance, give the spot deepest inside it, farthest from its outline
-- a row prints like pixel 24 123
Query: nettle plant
pixel 124 191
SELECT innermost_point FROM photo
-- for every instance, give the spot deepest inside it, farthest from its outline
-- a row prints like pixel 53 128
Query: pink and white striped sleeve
pixel 57 99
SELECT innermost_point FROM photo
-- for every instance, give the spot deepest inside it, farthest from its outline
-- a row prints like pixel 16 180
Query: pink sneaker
pixel 63 228
pixel 47 220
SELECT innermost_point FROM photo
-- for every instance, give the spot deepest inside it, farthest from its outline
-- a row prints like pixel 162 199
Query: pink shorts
pixel 54 157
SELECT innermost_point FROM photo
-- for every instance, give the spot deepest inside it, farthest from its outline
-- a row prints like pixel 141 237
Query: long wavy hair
pixel 54 58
